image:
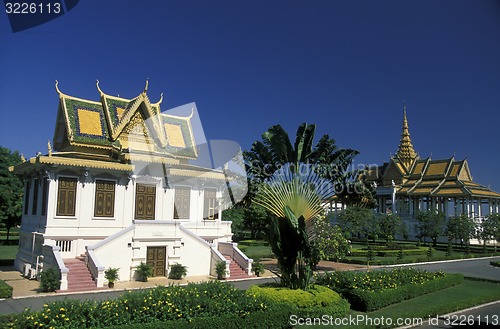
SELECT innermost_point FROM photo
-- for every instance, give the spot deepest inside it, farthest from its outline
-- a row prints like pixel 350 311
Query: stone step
pixel 79 276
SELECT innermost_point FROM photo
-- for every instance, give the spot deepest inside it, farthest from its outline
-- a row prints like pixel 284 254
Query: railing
pixel 95 268
pixel 217 257
pixel 52 258
pixel 231 249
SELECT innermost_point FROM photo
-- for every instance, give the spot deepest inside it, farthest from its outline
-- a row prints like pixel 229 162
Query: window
pixel 104 198
pixel 27 197
pixel 64 245
pixel 210 210
pixel 66 197
pixel 181 202
pixel 145 196
pixel 45 196
pixel 35 197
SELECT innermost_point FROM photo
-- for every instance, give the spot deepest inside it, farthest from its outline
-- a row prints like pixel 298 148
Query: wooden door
pixel 156 258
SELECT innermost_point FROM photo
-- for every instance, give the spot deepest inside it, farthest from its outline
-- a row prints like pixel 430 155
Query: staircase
pixel 79 277
pixel 236 272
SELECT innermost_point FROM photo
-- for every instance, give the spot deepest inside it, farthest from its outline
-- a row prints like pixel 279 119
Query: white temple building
pixel 121 186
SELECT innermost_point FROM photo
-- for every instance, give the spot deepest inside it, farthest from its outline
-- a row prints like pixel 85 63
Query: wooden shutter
pixel 66 197
pixel 210 210
pixel 145 199
pixel 182 202
pixel 104 198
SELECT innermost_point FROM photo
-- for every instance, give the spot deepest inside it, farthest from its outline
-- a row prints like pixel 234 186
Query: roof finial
pixel 23 159
pixel 146 87
pixel 57 88
pixel 406 153
pixel 161 99
pixel 97 85
pixel 49 148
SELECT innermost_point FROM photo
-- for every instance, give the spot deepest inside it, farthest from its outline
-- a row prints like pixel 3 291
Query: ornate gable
pixel 123 126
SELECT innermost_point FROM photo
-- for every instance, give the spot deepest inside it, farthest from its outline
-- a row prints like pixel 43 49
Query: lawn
pixel 8 252
pixel 467 294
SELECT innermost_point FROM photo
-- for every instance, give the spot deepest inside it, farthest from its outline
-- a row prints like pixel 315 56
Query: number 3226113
pixel 32 8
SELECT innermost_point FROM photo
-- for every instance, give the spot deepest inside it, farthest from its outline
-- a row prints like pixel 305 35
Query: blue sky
pixel 345 65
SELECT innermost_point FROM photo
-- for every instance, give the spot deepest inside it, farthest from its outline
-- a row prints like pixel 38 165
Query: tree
pixel 489 229
pixel 325 159
pixel 236 216
pixel 460 228
pixel 256 219
pixel 356 222
pixel 430 224
pixel 390 225
pixel 329 240
pixel 253 218
pixel 11 190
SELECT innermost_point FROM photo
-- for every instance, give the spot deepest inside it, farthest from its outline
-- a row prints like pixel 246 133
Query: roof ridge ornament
pixel 98 88
pixel 146 87
pixel 57 89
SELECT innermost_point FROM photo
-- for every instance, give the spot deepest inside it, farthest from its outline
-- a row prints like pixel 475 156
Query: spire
pixel 406 152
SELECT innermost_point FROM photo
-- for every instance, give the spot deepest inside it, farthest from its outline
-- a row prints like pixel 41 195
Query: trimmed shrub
pixel 252 243
pixel 389 252
pixel 5 290
pixel 367 301
pixel 50 280
pixel 319 300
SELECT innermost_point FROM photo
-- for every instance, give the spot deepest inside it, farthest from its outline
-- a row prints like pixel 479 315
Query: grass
pixel 8 252
pixel 258 252
pixel 467 294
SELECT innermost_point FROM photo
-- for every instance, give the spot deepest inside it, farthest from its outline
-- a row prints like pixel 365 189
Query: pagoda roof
pixel 105 126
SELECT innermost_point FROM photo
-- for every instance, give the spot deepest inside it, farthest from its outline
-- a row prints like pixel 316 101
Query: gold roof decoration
pixel 121 125
pixel 426 177
pixel 406 153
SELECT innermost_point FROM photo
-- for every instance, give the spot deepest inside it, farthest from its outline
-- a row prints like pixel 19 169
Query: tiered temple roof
pixel 118 126
pixel 413 176
pixel 120 134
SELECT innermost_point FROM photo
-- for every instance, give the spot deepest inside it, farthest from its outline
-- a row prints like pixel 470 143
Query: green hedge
pixel 319 300
pixel 367 301
pixel 277 316
pixel 389 252
pixel 253 243
pixel 316 296
pixel 5 290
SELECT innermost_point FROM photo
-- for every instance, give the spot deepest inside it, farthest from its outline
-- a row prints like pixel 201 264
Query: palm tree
pixel 295 199
pixel 327 160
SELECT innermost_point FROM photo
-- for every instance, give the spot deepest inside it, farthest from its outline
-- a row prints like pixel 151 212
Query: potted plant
pixel 177 271
pixel 258 268
pixel 220 269
pixel 143 271
pixel 111 274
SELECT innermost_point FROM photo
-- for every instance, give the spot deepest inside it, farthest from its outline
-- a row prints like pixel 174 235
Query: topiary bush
pixel 5 290
pixel 50 280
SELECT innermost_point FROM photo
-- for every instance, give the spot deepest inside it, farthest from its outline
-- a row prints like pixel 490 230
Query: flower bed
pixel 161 304
pixel 368 291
